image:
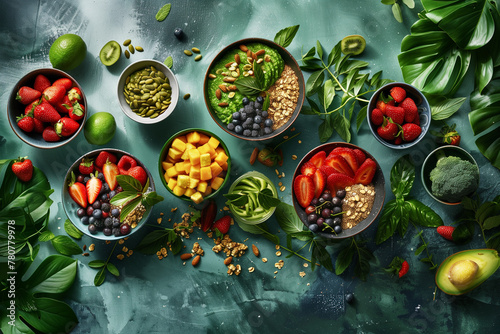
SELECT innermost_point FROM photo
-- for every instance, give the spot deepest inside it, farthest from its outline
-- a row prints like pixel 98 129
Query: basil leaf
pixel 100 276
pixel 344 259
pixel 153 241
pixel 362 114
pixel 342 125
pixel 65 245
pixel 420 249
pixel 322 255
pixel 319 50
pixel 404 217
pixel 422 215
pixel 307 110
pixel 112 269
pixel 123 198
pixel 163 12
pixel 72 230
pixel 46 236
pixel 314 106
pixel 335 54
pixel 402 177
pixel 314 81
pixel 54 275
pixel 463 232
pixel 328 93
pixel 129 184
pixel 442 107
pixel 97 264
pixel 325 129
pixel 387 223
pixel 285 36
pixel 169 62
pixel 236 199
pixel 248 85
pixel 290 223
pixel 267 201
pixel 491 222
pixel 152 198
pixel 409 3
pixel 176 246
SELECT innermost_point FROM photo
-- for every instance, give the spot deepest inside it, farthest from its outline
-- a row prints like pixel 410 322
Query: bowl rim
pixel 359 227
pixel 12 97
pixel 64 190
pixel 279 49
pixel 164 151
pixel 372 102
pixel 174 84
pixel 430 155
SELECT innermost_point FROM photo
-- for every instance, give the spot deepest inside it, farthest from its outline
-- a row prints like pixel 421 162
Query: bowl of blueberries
pixel 254 89
pixel 89 187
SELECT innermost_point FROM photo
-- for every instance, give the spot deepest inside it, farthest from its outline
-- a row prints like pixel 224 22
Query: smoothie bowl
pixel 254 89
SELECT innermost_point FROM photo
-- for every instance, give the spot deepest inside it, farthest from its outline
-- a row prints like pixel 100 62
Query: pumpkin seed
pixel 195 50
pixel 188 53
pixel 197 58
pixel 187 96
pixel 139 48
pixel 126 42
pixel 127 54
pixel 131 49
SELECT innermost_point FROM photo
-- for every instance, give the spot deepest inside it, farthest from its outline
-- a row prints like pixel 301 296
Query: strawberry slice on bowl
pixel 303 188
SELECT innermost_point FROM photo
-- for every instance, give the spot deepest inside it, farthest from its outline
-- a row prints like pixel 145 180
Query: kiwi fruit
pixel 110 53
pixel 353 45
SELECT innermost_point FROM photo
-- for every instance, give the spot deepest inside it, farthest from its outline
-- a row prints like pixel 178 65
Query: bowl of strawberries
pixel 47 108
pixel 338 190
pixel 108 194
pixel 399 115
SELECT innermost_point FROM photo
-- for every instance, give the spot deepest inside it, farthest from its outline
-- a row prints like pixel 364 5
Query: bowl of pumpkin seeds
pixel 147 91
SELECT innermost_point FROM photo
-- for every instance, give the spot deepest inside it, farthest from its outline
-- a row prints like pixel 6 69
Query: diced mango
pixel 178 144
pixel 183 181
pixel 187 166
pixel 194 172
pixel 216 169
pixel 189 192
pixel 207 192
pixel 203 149
pixel 172 171
pixel 221 158
pixel 197 197
pixel 166 165
pixel 202 186
pixel 172 183
pixel 219 149
pixel 205 160
pixel 182 138
pixel 174 153
pixel 203 139
pixel 194 156
pixel 205 173
pixel 193 137
pixel 166 177
pixel 193 183
pixel 178 191
pixel 224 166
pixel 170 159
pixel 214 142
pixel 179 166
pixel 216 183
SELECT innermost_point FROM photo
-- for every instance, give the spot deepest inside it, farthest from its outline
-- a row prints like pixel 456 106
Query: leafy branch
pixel 100 276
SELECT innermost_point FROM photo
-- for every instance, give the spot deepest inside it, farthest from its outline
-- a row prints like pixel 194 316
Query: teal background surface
pixel 165 296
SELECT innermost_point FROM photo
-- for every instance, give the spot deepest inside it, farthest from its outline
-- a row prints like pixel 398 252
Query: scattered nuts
pixel 228 260
pixel 188 53
pixel 218 93
pixel 251 269
pixel 186 256
pixel 196 260
pixel 243 48
pixel 255 250
pixel 212 76
pixel 264 259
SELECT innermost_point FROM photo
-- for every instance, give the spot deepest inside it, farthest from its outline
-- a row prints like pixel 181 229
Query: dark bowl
pixel 15 108
pixel 70 207
pixel 378 182
pixel 288 60
pixel 423 106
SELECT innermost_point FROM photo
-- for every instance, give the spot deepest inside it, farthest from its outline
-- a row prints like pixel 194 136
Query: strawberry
pixel 411 131
pixel 318 159
pixel 397 114
pixel 30 108
pixel 319 180
pixel 93 187
pixel 338 181
pixel 75 94
pixel 222 225
pixel 26 95
pixel 77 191
pixel 448 135
pixel 66 83
pixel 126 162
pixel 49 134
pixel 139 174
pixel 64 105
pixel 404 269
pixel 410 108
pixel 308 169
pixel 365 173
pixel 360 156
pixel 398 94
pixel 349 155
pixel 303 187
pixel 388 130
pixel 54 94
pixel 398 266
pixel 26 123
pixel 46 113
pixel 39 126
pixel 110 171
pixel 340 164
pixel 103 157
pixel 208 214
pixel 66 126
pixel 41 83
pixel 398 140
pixel 77 111
pixel 416 120
pixel 327 170
pixel 86 166
pixel 446 232
pixel 381 106
pixel 23 169
pixel 377 116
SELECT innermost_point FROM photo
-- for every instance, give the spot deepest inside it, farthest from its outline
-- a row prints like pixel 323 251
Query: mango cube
pixel 172 171
pixel 179 166
pixel 216 169
pixel 214 142
pixel 172 183
pixel 207 192
pixel 182 139
pixel 189 192
pixel 194 156
pixel 174 153
pixel 166 177
pixel 221 158
pixel 183 181
pixel 178 144
pixel 178 191
pixel 166 165
pixel 193 137
pixel 205 173
pixel 193 183
pixel 203 139
pixel 197 197
pixel 194 172
pixel 216 183
pixel 202 186
pixel 205 160
pixel 224 165
pixel 219 149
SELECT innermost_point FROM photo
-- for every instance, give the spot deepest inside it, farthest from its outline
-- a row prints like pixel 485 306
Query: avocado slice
pixel 465 270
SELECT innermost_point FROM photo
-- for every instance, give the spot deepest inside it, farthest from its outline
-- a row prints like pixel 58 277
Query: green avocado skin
pixel 487 260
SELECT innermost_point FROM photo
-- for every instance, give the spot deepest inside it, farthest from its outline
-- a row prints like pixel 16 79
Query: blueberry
pixel 104 188
pixel 247 126
pixel 349 298
pixel 314 228
pixel 258 112
pixel 84 220
pixel 245 101
pixel 336 201
pixel 116 222
pixel 111 194
pixel 251 104
pixel 268 130
pixel 238 129
pixel 106 231
pixel 236 115
pixel 247 133
pixel 104 198
pixel 325 213
pixel 265 114
pixel 256 126
pixel 341 193
pixel 243 116
pixel 105 207
pixel 86 179
pixel 336 209
pixel 116 231
pixel 80 212
pixel 268 122
pixel 99 223
pixel 337 229
pixel 258 119
pixel 326 196
pixel 257 105
pixel 92 229
pixel 231 126
pixel 249 120
pixel 259 99
pixel 97 214
pixel 249 109
pixel 329 221
pixel 100 176
pixel 96 205
pixel 337 221
pixel 108 222
pixel 115 212
pixel 92 220
pixel 178 32
pixel 255 133
pixel 235 122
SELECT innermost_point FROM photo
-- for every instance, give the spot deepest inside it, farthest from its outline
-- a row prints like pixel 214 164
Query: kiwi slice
pixel 353 45
pixel 110 53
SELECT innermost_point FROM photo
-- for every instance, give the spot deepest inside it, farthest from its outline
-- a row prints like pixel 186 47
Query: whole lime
pixel 67 52
pixel 100 128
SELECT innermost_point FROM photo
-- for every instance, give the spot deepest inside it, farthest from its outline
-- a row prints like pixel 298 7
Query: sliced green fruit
pixel 353 45
pixel 464 271
pixel 110 53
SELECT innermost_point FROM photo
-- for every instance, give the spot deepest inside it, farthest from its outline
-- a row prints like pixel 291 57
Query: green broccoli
pixel 454 178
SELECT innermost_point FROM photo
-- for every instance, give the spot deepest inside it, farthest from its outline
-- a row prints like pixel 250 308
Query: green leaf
pixel 463 232
pixel 97 264
pixel 402 177
pixel 258 75
pixel 129 207
pixel 321 254
pixel 153 241
pixel 409 3
pixel 420 249
pixel 484 70
pixel 422 215
pixel 54 275
pixel 65 245
pixel 169 62
pixel 314 106
pixel 248 86
pixel 325 129
pixel 290 223
pixel 442 107
pixel 46 236
pixel 328 93
pixel 112 269
pixel 100 276
pixel 319 50
pixel 151 199
pixel 237 199
pixel 129 184
pixel 314 81
pixel 267 102
pixel 72 230
pixel 388 222
pixel 362 268
pixel 267 201
pixel 344 259
pixel 388 2
pixel 486 210
pixel 396 11
pixel 285 36
pixel 123 198
pixel 307 110
pixel 335 54
pixel 343 126
pixel 52 316
pixel 494 242
pixel 362 114
pixel 163 12
pixel 491 222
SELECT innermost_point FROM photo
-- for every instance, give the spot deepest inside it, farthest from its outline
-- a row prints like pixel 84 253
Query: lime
pixel 100 128
pixel 67 52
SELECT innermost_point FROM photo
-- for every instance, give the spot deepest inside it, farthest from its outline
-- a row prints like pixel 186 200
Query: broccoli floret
pixel 453 179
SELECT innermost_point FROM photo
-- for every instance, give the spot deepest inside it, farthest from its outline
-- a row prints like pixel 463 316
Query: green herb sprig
pixel 100 276
pixel 396 7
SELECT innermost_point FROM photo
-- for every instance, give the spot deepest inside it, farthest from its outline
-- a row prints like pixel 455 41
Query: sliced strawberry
pixel 366 171
pixel 339 163
pixel 308 169
pixel 360 156
pixel 327 170
pixel 446 231
pixel 103 157
pixel 208 214
pixel 319 180
pixel 338 181
pixel 110 171
pixel 93 186
pixel 318 159
pixel 349 155
pixel 303 187
pixel 77 191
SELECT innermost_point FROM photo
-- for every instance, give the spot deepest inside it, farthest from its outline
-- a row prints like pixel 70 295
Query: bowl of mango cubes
pixel 194 165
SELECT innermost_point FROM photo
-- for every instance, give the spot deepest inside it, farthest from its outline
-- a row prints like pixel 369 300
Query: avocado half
pixel 465 270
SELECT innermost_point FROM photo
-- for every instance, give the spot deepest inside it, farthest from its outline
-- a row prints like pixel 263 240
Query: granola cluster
pixel 229 247
pixel 283 96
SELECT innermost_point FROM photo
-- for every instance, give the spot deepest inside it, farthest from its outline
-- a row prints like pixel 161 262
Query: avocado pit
pixel 463 272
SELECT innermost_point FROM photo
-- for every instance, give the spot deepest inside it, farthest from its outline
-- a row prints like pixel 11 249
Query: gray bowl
pixel 136 66
pixel 14 108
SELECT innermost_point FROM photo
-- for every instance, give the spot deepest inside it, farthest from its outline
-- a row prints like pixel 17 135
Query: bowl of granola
pixel 254 89
pixel 102 192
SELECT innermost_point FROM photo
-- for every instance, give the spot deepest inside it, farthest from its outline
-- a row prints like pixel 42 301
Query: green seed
pixel 131 49
pixel 187 96
pixel 127 54
pixel 139 48
pixel 195 50
pixel 156 114
pixel 188 53
pixel 197 58
pixel 127 42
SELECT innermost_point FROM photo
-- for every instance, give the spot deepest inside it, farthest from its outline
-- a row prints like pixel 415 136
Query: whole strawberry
pixel 26 95
pixel 50 135
pixel 448 135
pixel 446 232
pixel 86 166
pixel 410 108
pixel 39 126
pixel 398 266
pixel 397 114
pixel 66 126
pixel 54 94
pixel 398 94
pixel 23 169
pixel 77 111
pixel 222 225
pixel 269 157
pixel 377 117
pixel 46 113
pixel 405 267
pixel 41 83
pixel 139 174
pixel 411 131
pixel 388 130
pixel 26 123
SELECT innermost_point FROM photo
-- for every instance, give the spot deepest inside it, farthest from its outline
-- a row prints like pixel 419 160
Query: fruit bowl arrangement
pixel 194 165
pixel 47 108
pixel 399 115
pixel 103 191
pixel 254 89
pixel 338 190
pixel 148 91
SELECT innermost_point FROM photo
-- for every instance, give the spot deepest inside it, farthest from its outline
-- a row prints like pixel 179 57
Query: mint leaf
pixel 285 36
pixel 169 62
pixel 163 12
pixel 248 85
